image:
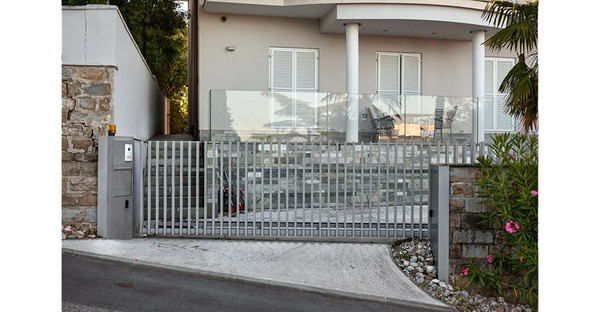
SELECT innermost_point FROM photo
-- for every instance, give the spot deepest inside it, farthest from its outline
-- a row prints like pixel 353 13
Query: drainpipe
pixel 352 82
pixel 478 84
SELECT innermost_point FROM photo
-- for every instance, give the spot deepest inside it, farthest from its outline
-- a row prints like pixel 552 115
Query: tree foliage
pixel 519 33
pixel 160 31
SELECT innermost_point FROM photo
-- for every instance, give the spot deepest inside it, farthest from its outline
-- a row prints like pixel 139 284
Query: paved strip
pixel 361 271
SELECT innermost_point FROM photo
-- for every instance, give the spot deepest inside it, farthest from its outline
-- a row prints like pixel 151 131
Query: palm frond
pixel 521 86
pixel 519 23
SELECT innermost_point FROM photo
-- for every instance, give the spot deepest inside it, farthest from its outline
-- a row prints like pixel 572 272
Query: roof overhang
pixel 438 19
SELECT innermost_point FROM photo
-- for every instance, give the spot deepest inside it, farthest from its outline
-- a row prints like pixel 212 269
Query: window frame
pixel 294 87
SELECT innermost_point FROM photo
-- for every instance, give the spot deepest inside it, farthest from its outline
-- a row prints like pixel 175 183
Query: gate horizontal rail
pixel 302 190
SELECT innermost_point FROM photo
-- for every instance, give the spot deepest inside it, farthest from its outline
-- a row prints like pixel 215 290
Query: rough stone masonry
pixel 87 111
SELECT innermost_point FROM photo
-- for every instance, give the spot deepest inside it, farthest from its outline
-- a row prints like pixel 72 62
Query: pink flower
pixel 490 259
pixel 534 193
pixel 512 227
pixel 465 272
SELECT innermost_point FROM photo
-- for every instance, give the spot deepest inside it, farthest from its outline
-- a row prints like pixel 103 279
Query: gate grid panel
pixel 305 190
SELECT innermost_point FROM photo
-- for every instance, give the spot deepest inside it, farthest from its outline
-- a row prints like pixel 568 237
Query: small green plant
pixel 510 183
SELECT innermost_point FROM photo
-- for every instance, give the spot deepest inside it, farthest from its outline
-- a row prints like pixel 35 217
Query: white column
pixel 352 82
pixel 478 84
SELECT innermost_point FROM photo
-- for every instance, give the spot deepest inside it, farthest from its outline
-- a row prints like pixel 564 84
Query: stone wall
pixel 469 239
pixel 87 110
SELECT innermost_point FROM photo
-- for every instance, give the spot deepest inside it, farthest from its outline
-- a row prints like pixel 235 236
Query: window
pixel 495 117
pixel 399 73
pixel 294 86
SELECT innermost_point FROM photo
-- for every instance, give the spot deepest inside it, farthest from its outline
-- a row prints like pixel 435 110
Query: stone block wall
pixel 87 110
pixel 469 239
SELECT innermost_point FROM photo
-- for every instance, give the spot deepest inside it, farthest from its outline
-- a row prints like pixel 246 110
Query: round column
pixel 352 82
pixel 478 84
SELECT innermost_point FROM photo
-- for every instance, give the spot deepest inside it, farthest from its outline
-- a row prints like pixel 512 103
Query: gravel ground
pixel 415 259
pixel 69 232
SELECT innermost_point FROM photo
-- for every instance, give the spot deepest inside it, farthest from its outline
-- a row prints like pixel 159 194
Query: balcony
pixel 266 116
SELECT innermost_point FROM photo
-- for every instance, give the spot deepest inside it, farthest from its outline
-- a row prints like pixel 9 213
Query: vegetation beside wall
pixel 509 184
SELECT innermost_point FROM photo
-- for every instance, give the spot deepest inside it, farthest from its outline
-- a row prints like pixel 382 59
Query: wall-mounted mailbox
pixel 115 187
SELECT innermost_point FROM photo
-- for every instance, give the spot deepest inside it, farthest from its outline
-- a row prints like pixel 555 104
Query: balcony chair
pixel 440 123
pixel 383 125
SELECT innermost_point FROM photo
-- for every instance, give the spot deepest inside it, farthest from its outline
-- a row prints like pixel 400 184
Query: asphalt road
pixel 95 285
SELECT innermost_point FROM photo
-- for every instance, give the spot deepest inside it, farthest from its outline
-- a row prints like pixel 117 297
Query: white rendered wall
pixel 96 35
pixel 446 64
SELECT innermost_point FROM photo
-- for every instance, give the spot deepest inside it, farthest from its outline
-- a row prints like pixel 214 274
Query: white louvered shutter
pixel 306 71
pixel 411 73
pixel 411 82
pixel 496 119
pixel 388 79
pixel 306 88
pixel 503 121
pixel 281 84
pixel 489 95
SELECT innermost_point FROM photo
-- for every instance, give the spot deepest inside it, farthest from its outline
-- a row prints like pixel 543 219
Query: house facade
pixel 316 66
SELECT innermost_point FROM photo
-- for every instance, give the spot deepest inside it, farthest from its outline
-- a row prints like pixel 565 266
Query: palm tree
pixel 518 18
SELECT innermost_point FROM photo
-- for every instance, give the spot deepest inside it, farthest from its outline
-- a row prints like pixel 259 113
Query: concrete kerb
pixel 413 305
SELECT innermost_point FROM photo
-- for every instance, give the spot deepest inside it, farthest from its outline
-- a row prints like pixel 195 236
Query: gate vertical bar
pixel 205 208
pixel 353 194
pixel 254 202
pixel 396 204
pixel 412 189
pixel 165 166
pixel 221 188
pixel 279 189
pixel 238 206
pixel 246 187
pixel 320 150
pixel 262 184
pixel 312 175
pixel 328 190
pixel 173 191
pixel 387 185
pixel 370 200
pixel 229 187
pixel 455 152
pixel 271 189
pixel 149 191
pixel 180 187
pixel 189 215
pixel 361 184
pixel 404 189
pixel 345 188
pixel 303 157
pixel 254 205
pixel 156 200
pixel 378 190
pixel 214 211
pixel 295 149
pixel 422 172
pixel 287 189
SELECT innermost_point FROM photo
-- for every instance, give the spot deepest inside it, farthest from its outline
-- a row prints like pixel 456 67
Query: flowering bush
pixel 510 181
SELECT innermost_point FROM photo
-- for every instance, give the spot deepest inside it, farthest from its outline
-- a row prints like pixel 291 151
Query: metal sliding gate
pixel 293 190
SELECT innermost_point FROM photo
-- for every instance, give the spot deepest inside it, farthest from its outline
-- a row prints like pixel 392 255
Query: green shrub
pixel 510 181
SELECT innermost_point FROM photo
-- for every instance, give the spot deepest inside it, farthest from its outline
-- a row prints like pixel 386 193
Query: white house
pixel 265 67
